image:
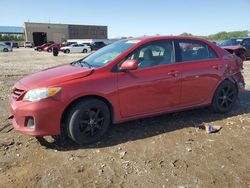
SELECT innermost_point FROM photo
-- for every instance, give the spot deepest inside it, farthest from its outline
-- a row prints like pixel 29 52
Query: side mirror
pixel 129 65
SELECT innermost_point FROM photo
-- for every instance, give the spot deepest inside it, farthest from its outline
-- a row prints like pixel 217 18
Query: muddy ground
pixel 164 151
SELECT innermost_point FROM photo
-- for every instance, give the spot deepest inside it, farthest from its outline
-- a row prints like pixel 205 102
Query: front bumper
pixel 45 113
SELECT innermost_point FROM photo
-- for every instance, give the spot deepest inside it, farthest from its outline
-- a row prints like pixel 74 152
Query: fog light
pixel 30 123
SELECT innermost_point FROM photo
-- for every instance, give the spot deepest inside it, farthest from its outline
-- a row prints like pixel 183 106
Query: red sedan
pixel 40 48
pixel 126 80
pixel 50 47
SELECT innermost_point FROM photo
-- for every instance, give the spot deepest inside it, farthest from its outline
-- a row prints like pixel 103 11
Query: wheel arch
pixel 106 101
pixel 231 79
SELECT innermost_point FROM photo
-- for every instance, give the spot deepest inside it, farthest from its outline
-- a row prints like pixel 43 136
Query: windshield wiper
pixel 80 62
pixel 84 62
pixel 76 62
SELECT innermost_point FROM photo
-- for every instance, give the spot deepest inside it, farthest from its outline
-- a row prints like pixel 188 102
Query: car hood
pixel 54 76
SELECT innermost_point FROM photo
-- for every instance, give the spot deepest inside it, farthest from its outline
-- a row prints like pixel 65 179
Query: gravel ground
pixel 163 151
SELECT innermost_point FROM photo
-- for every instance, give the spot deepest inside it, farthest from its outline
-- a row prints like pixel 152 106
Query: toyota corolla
pixel 126 80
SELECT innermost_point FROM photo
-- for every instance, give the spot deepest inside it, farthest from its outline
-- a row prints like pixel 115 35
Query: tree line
pixel 11 38
pixel 222 35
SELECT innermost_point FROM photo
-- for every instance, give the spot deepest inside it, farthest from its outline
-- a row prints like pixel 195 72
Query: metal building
pixel 39 33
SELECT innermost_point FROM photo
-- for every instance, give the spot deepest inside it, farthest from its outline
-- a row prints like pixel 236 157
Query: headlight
pixel 41 93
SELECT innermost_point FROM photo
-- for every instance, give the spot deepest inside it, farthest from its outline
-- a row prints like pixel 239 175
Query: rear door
pixel 200 68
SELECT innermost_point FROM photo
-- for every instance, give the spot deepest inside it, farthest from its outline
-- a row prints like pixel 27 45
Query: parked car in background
pixel 28 44
pixel 5 48
pixel 217 42
pixel 126 80
pixel 68 43
pixel 12 44
pixel 76 48
pixel 239 46
pixel 246 43
pixel 15 45
pixel 50 47
pixel 97 45
pixel 232 42
pixel 87 43
pixel 8 43
pixel 41 47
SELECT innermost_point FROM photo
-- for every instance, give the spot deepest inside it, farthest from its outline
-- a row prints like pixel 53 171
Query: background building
pixel 39 33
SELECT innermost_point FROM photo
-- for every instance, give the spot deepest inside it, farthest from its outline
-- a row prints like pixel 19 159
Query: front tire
pixel 85 51
pixel 5 50
pixel 88 121
pixel 225 97
pixel 67 51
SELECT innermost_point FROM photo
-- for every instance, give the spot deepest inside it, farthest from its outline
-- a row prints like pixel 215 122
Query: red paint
pixel 50 47
pixel 132 94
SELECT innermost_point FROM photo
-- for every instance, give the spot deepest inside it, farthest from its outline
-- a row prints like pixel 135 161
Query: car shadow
pixel 148 127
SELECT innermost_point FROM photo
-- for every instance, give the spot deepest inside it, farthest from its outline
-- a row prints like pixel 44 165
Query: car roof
pixel 152 38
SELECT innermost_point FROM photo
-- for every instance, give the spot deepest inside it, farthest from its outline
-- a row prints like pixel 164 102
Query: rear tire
pixel 88 121
pixel 85 51
pixel 225 97
pixel 5 50
pixel 67 51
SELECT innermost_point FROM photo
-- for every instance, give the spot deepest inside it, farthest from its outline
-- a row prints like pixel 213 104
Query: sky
pixel 133 17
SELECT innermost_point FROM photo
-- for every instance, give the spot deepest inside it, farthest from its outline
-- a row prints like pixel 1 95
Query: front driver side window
pixel 153 54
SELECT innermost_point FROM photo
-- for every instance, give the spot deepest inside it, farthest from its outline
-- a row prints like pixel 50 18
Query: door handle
pixel 174 73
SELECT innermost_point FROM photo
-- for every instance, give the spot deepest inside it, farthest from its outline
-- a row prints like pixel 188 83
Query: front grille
pixel 16 93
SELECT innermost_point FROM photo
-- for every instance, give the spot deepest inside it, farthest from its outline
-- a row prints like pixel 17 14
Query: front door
pixel 155 85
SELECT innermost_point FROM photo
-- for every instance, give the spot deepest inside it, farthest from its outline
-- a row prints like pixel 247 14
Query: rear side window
pixel 191 50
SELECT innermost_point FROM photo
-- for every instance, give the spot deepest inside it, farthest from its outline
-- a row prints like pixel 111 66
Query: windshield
pixel 231 42
pixel 106 54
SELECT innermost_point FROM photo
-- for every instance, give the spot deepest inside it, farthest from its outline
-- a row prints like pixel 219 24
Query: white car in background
pixel 76 48
pixel 28 44
pixel 5 48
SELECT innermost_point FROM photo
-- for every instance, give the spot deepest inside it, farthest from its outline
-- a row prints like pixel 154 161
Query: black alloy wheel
pixel 88 121
pixel 225 97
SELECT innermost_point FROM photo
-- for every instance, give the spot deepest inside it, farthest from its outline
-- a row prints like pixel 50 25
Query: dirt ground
pixel 164 151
